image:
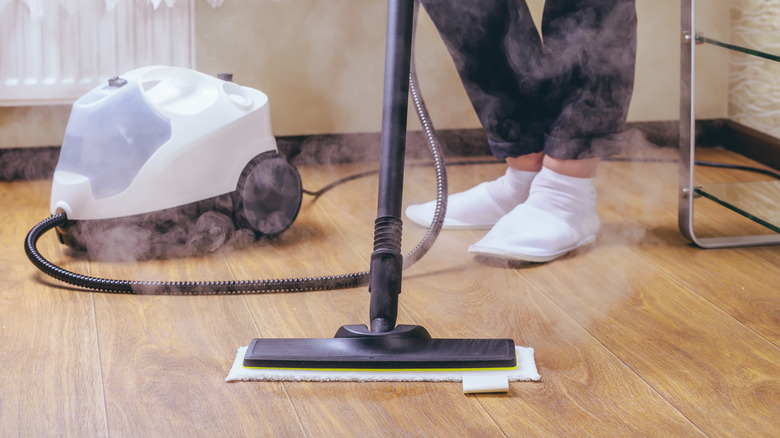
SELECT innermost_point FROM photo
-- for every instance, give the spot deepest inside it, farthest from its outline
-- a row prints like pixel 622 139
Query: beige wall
pixel 32 126
pixel 321 63
pixel 754 97
pixel 712 63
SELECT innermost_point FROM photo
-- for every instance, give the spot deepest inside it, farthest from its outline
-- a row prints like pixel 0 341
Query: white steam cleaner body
pixel 161 137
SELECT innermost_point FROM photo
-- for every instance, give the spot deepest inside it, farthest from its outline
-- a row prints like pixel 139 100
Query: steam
pixel 200 228
pixel 27 164
pixel 629 224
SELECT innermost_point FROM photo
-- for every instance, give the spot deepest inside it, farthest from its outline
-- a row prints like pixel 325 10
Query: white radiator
pixel 56 56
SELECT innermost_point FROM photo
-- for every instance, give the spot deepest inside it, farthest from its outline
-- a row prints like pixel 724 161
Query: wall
pixel 321 63
pixel 712 66
pixel 32 126
pixel 754 97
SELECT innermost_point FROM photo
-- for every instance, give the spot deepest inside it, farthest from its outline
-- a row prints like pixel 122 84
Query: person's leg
pixel 596 44
pixel 591 47
pixel 477 36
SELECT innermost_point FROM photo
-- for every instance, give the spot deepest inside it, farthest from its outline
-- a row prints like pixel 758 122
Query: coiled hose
pixel 329 282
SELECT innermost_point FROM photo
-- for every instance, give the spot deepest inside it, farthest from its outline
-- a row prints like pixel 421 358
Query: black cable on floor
pixel 346 179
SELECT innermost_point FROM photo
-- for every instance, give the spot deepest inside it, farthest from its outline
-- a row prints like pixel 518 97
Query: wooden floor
pixel 640 334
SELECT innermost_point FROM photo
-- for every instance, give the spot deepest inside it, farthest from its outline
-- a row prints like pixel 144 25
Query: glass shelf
pixel 758 53
pixel 757 201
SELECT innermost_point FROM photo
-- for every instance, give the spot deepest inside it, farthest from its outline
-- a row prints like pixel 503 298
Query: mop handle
pixel 386 260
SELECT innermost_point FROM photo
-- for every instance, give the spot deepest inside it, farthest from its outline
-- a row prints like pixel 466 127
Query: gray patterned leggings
pixel 566 93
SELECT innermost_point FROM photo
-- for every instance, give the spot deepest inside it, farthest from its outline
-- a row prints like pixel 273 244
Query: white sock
pixel 570 199
pixel 511 189
pixel 479 207
pixel 558 216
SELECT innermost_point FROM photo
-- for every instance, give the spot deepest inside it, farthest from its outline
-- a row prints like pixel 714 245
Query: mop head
pixel 474 380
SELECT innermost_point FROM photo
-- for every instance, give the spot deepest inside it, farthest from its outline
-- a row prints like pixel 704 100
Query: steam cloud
pixel 199 228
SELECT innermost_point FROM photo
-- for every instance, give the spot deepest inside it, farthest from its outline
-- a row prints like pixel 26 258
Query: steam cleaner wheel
pixel 269 194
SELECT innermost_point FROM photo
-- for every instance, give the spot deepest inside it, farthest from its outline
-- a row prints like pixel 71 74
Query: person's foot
pixel 479 207
pixel 559 216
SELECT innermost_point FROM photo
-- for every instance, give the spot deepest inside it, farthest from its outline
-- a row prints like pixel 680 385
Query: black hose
pixel 177 287
pixel 438 160
pixel 256 286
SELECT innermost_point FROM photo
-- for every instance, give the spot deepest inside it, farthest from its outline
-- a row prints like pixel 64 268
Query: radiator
pixel 56 56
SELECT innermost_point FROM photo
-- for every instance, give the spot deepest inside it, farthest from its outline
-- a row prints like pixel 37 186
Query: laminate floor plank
pixel 719 374
pixel 170 354
pixel 50 381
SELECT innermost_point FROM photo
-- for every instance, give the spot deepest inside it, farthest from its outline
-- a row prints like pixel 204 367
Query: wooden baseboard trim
pixel 753 144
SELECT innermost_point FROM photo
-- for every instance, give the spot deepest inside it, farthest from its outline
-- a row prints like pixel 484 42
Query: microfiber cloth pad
pixel 525 371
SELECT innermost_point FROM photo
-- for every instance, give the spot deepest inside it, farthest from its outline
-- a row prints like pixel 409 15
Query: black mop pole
pixel 385 345
pixel 387 260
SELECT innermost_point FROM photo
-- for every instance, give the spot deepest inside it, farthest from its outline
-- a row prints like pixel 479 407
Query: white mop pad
pixel 473 380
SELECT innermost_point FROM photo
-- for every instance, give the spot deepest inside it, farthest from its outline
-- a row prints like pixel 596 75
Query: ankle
pixel 512 188
pixel 585 168
pixel 529 162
